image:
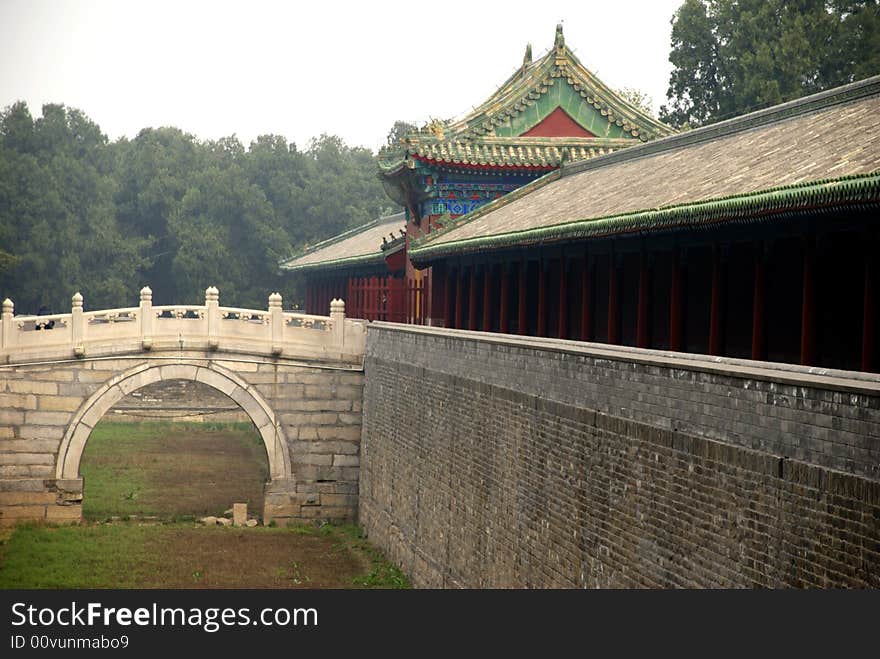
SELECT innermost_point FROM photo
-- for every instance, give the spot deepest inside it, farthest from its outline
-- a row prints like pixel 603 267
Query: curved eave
pixel 377 258
pixel 772 203
pixel 394 167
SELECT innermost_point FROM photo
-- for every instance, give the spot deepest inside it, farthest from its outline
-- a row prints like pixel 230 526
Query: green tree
pixel 398 132
pixel 637 98
pixel 734 56
pixel 57 214
pixel 164 209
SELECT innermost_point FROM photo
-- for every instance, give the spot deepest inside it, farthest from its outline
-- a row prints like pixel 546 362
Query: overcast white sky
pixel 214 68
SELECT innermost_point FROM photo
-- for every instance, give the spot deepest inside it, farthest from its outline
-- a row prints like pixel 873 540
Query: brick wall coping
pixel 790 374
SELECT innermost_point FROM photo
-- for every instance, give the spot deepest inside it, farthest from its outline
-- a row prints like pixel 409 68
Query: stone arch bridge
pixel 298 377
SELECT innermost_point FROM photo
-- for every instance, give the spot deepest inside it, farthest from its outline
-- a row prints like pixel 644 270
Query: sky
pixel 299 69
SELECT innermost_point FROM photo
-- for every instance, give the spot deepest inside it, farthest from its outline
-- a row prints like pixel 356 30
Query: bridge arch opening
pixel 231 385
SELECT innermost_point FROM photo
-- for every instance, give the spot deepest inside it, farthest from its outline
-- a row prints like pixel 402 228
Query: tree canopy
pixel 164 209
pixel 734 56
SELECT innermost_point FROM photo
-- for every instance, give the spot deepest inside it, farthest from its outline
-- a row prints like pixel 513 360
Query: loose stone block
pixel 239 514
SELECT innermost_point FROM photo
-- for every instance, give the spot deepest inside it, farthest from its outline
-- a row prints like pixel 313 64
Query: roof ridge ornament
pixel 527 59
pixel 559 48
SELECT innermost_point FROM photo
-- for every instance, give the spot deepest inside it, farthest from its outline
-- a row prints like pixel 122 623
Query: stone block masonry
pixel 493 461
pixel 309 418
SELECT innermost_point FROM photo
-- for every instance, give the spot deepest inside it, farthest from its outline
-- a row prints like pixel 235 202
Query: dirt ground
pixel 145 484
pixel 225 558
pixel 171 469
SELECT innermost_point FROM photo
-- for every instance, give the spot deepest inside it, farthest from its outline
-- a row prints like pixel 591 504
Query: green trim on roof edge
pixel 798 198
pixel 385 219
pixel 377 258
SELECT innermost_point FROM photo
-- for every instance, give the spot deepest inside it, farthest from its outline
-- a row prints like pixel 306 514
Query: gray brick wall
pixel 489 462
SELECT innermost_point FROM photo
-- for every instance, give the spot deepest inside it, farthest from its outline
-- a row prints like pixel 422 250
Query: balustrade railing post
pixel 146 318
pixel 6 338
pixel 76 324
pixel 276 319
pixel 212 312
pixel 337 318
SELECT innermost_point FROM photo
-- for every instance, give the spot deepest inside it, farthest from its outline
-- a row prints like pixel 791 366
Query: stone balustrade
pixel 181 327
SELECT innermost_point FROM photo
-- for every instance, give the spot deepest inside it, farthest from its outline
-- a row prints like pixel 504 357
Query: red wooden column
pixel 613 302
pixel 717 303
pixel 758 320
pixel 487 299
pixel 644 322
pixel 869 318
pixel 562 332
pixel 808 305
pixel 542 297
pixel 521 306
pixel 459 290
pixel 505 298
pixel 675 304
pixel 472 300
pixel 587 299
pixel 449 310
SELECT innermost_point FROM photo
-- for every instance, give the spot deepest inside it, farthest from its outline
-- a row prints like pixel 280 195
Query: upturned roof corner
pixel 501 132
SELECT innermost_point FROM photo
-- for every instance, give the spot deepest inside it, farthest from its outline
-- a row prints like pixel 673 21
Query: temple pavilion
pixel 548 112
pixel 753 238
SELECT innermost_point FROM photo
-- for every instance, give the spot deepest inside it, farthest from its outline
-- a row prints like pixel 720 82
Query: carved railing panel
pixel 210 326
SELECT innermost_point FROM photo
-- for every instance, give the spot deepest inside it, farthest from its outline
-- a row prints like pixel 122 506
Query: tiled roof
pixel 537 152
pixel 823 149
pixel 490 134
pixel 359 246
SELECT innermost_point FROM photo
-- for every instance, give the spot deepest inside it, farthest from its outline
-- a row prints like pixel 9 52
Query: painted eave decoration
pixel 812 155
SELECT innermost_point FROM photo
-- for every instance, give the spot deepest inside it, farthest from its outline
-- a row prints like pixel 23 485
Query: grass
pixel 181 555
pixel 172 470
pixel 175 472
